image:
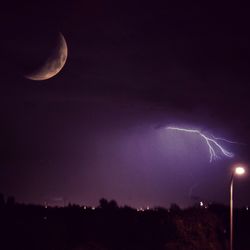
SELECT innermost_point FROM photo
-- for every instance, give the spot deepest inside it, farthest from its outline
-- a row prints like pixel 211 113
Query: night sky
pixel 98 128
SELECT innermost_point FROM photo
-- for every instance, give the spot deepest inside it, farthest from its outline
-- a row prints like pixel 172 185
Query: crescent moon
pixel 53 64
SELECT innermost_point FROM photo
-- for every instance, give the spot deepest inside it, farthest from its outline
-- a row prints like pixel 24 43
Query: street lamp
pixel 237 170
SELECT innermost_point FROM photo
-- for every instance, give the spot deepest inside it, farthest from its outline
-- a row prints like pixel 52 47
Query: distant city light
pixel 140 209
pixel 201 204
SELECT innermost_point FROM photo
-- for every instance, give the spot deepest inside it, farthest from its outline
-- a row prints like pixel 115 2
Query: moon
pixel 54 64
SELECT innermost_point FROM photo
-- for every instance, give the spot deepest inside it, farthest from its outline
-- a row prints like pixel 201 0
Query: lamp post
pixel 238 170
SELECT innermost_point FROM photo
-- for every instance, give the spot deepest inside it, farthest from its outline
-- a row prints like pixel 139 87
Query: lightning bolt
pixel 212 143
pixel 229 141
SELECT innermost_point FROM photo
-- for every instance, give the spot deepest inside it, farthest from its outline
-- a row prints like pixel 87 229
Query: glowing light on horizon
pixel 211 141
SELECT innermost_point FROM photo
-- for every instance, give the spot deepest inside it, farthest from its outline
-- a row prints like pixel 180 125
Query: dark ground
pixel 111 227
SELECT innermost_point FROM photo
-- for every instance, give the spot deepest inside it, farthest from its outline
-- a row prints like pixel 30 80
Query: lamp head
pixel 239 170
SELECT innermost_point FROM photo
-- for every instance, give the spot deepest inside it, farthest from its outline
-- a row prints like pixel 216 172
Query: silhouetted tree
pixel 103 203
pixel 174 208
pixel 113 204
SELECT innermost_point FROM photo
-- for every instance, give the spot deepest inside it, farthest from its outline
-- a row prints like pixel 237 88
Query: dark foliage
pixel 109 227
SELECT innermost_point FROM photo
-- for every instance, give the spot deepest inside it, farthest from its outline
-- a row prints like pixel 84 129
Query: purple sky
pixel 97 129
